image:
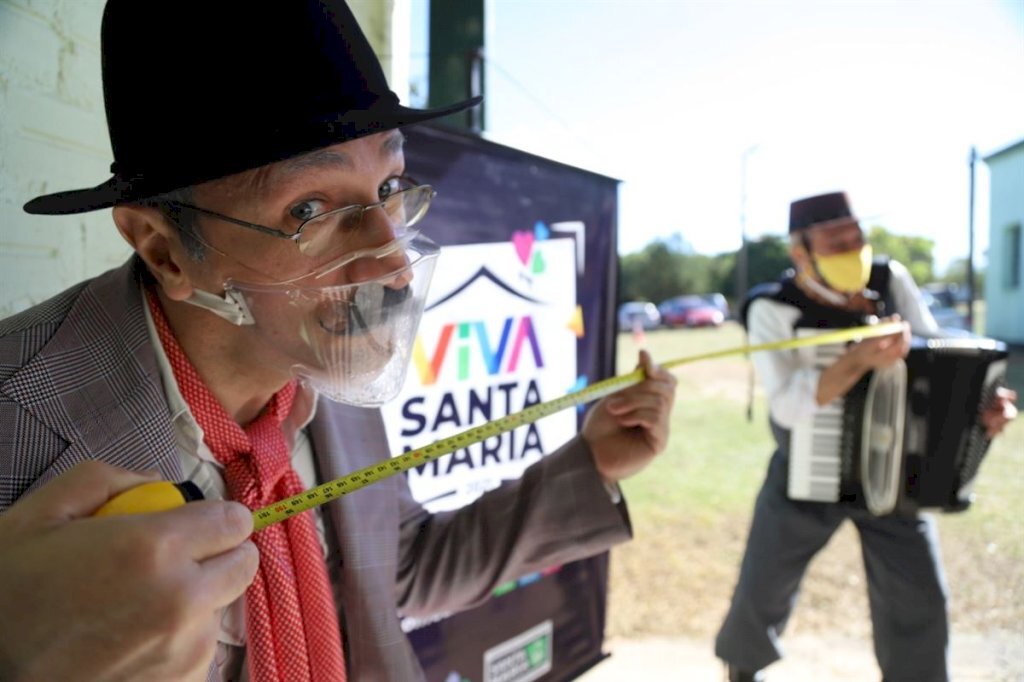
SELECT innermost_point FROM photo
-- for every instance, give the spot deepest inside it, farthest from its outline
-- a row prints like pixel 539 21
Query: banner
pixel 492 342
pixel 521 310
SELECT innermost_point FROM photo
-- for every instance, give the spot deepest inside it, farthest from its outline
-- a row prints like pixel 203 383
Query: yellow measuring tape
pixel 321 494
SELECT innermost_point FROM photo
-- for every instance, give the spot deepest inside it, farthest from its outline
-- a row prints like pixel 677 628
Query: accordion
pixel 904 438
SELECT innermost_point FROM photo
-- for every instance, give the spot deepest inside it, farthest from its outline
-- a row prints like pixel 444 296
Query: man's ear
pixel 798 254
pixel 158 244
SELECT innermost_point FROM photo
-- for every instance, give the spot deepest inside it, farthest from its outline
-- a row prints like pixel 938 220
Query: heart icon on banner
pixel 541 231
pixel 523 241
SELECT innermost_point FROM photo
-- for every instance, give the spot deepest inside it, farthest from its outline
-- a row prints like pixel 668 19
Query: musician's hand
pixel 1000 412
pixel 626 430
pixel 882 351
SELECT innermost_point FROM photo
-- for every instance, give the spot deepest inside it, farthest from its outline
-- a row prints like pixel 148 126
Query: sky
pixel 881 99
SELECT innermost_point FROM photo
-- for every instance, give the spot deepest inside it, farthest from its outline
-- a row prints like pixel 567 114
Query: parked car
pixel 718 300
pixel 946 316
pixel 690 311
pixel 949 294
pixel 642 312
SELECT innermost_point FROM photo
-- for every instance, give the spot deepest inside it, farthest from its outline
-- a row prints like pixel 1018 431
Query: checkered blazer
pixel 79 381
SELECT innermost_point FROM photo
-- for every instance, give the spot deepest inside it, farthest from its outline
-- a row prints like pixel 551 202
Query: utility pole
pixel 741 257
pixel 741 271
pixel 970 241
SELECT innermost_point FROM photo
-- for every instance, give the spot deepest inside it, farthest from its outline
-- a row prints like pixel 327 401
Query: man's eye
pixel 306 210
pixel 389 187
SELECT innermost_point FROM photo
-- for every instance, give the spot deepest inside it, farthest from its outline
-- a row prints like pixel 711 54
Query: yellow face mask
pixel 847 272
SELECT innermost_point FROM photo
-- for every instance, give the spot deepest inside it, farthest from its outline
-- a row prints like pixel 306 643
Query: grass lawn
pixel 691 509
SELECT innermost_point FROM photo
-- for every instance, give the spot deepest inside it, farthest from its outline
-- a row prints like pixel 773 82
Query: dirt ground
pixel 829 636
pixel 994 657
pixel 986 590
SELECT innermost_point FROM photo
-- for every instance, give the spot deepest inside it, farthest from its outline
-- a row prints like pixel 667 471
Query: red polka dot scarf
pixel 290 619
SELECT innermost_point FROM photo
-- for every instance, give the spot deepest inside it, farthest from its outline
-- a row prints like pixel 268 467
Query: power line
pixel 538 102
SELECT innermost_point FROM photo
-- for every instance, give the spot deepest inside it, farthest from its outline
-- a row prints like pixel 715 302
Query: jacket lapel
pixel 96 383
pixel 365 524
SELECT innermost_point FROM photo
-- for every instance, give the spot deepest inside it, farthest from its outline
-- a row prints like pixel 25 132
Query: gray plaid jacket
pixel 79 381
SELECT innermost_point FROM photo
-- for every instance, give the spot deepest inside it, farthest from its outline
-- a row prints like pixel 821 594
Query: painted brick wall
pixel 54 137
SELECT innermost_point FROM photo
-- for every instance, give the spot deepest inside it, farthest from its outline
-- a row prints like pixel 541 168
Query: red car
pixel 690 311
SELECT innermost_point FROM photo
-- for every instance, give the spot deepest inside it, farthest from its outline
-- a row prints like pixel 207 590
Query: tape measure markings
pixel 366 476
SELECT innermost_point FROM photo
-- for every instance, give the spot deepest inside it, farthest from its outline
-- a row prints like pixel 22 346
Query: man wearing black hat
pixel 836 283
pixel 277 281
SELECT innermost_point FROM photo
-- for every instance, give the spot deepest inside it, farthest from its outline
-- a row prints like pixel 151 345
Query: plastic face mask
pixel 847 272
pixel 351 342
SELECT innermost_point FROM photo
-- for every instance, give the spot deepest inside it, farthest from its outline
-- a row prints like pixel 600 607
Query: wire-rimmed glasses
pixel 327 233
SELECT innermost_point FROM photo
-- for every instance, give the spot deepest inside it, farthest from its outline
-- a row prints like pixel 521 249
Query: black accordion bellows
pixel 950 382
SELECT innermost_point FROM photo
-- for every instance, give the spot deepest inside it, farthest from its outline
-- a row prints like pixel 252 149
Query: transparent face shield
pixel 350 342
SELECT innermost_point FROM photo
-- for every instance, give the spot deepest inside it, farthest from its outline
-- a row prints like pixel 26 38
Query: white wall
pixel 54 137
pixel 1004 306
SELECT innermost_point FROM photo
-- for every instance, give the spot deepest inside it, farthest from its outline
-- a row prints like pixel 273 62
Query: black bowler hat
pixel 823 208
pixel 200 89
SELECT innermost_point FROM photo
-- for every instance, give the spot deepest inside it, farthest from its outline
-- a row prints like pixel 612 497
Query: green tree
pixel 767 258
pixel 696 274
pixel 652 274
pixel 663 269
pixel 669 267
pixel 914 252
pixel 956 273
pixel 723 277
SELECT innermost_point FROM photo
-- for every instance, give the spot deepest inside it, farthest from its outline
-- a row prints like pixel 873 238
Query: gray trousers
pixel 906 584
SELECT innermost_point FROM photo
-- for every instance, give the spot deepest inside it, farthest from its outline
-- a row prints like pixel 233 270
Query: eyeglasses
pixel 327 234
pixel 834 237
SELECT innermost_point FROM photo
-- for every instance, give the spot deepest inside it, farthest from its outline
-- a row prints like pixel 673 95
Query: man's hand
pixel 881 351
pixel 626 430
pixel 1000 412
pixel 859 359
pixel 115 598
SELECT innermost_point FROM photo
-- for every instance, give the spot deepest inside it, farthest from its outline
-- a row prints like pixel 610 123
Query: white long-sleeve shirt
pixel 789 378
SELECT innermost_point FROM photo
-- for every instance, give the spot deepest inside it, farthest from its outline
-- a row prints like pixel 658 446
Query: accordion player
pixel 906 437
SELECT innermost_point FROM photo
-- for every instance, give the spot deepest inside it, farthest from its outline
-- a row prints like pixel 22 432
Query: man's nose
pixel 381 233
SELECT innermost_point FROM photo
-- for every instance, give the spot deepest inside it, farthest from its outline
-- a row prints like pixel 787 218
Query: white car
pixel 644 312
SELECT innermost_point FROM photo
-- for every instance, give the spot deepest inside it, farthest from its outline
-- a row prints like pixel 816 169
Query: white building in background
pixel 1004 279
pixel 54 136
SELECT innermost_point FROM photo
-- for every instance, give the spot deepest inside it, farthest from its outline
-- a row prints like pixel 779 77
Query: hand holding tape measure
pixel 164 495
